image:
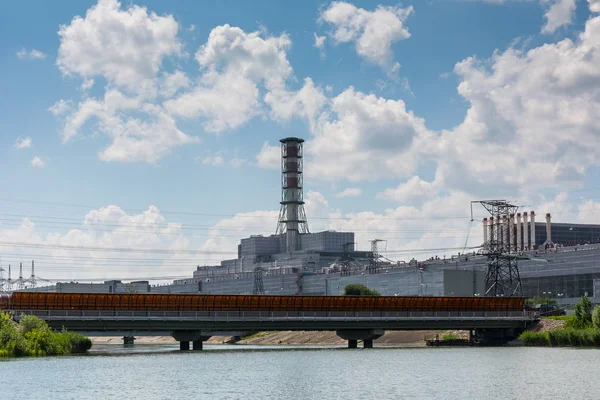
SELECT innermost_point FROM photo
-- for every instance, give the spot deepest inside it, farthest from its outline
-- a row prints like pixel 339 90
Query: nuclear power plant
pixel 559 260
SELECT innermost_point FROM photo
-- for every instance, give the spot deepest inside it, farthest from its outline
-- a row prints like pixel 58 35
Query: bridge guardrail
pixel 275 316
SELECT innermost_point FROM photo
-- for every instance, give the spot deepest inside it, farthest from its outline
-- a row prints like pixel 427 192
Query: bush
pixel 356 289
pixel 30 323
pixel 596 317
pixel 531 338
pixel 32 337
pixel 450 337
pixel 583 312
pixel 562 337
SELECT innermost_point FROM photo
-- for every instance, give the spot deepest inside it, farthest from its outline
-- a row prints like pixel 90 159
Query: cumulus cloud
pixel 37 162
pixel 594 5
pixel 60 107
pixel 132 138
pixel 32 54
pixel 172 83
pixel 235 66
pixel 372 32
pixel 126 46
pixel 559 13
pixel 363 136
pixel 23 143
pixel 413 189
pixel 269 156
pixel 214 160
pixel 532 117
pixel 106 227
pixel 349 192
pixel 319 41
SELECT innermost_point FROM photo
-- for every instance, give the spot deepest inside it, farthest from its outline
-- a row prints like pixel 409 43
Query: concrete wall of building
pixel 463 283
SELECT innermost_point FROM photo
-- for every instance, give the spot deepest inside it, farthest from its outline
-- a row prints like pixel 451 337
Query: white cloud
pixel 364 137
pixel 559 13
pixel 349 192
pixel 37 162
pixel 133 138
pixel 60 107
pixel 413 189
pixel 214 160
pixel 269 156
pixel 594 5
pixel 235 65
pixel 23 143
pixel 307 102
pixel 87 84
pixel 319 41
pixel 126 46
pixel 191 28
pixel 172 83
pixel 107 227
pixel 532 117
pixel 33 54
pixel 373 32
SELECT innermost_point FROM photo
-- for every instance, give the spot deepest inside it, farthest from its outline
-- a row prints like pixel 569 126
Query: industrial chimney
pixel 525 231
pixel 292 218
pixel 485 232
pixel 548 229
pixel 519 243
pixel 532 230
pixel 511 233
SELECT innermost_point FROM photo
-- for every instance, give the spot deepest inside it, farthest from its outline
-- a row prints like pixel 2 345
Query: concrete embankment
pixel 413 338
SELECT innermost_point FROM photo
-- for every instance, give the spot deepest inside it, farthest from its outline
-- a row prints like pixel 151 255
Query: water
pixel 259 372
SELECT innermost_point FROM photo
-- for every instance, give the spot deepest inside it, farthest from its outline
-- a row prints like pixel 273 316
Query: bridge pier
pixel 366 335
pixel 185 337
pixel 128 340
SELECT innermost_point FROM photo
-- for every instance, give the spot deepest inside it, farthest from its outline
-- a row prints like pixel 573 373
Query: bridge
pixel 490 320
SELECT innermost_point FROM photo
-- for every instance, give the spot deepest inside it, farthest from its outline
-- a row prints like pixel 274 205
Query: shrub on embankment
pixel 33 337
pixel 580 329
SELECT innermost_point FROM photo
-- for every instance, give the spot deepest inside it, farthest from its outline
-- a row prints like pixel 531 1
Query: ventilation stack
pixel 548 230
pixel 525 231
pixel 292 218
pixel 519 243
pixel 485 232
pixel 492 237
pixel 511 233
pixel 532 225
pixel 505 242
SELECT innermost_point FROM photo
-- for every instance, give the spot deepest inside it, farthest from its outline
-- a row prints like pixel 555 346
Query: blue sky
pixel 410 110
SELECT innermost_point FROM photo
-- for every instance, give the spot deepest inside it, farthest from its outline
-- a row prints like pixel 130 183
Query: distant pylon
pixel 9 286
pixel 2 282
pixel 32 279
pixel 21 282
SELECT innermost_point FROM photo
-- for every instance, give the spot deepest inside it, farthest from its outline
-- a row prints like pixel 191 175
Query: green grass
pixel 450 337
pixel 587 337
pixel 257 335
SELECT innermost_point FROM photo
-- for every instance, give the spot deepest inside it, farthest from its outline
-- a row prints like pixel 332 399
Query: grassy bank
pixel 581 329
pixel 33 337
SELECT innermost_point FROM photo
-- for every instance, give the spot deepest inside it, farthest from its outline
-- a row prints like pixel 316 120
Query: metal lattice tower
pixel 502 277
pixel 292 218
pixel 21 282
pixel 259 287
pixel 2 281
pixel 346 258
pixel 373 267
pixel 32 279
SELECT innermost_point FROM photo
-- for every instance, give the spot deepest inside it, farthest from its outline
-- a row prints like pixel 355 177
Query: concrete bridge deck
pixel 199 325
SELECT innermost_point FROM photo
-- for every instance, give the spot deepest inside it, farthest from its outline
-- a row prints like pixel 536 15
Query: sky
pixel 140 139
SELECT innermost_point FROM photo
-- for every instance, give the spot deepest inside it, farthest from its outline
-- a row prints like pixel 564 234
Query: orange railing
pixel 198 302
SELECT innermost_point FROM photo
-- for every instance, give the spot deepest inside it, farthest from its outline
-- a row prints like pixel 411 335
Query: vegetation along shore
pixel 31 336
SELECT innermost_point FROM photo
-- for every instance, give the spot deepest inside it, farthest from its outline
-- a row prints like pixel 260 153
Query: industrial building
pixel 559 260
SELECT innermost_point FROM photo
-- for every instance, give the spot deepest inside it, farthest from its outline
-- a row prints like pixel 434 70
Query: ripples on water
pixel 278 372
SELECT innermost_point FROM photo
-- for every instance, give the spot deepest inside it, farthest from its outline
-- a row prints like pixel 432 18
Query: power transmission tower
pixel 21 282
pixel 502 276
pixel 2 281
pixel 259 287
pixel 9 285
pixel 32 278
pixel 346 259
pixel 373 267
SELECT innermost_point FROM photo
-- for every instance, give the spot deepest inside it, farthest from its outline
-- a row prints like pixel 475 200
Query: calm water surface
pixel 253 372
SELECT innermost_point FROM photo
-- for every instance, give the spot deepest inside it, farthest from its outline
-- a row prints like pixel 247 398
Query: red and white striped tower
pixel 292 218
